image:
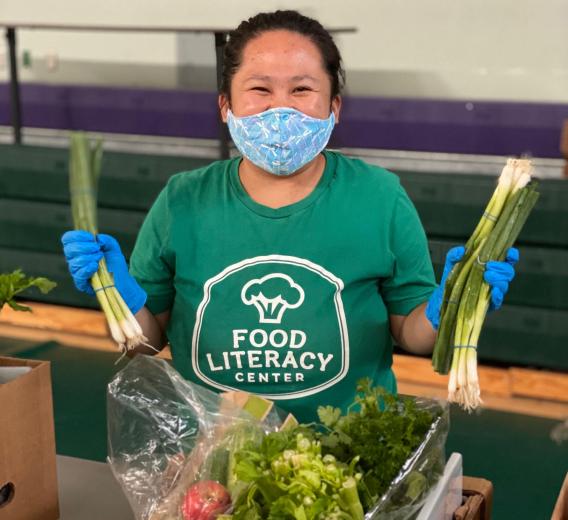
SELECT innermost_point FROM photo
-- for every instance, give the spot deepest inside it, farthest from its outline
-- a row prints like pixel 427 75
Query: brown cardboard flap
pixel 27 443
pixel 471 509
pixel 478 499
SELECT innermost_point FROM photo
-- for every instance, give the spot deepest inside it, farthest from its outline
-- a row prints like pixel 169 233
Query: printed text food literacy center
pixel 272 320
pixel 287 356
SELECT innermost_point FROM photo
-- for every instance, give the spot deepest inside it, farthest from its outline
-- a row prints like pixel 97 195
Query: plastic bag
pixel 409 491
pixel 162 431
pixel 169 439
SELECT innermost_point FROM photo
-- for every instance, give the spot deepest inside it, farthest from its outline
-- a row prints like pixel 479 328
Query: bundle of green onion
pixel 84 172
pixel 466 294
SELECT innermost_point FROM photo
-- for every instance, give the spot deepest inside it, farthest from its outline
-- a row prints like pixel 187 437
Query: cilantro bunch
pixel 380 431
pixel 16 282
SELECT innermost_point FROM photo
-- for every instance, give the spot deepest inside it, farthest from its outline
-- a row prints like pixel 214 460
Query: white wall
pixel 451 49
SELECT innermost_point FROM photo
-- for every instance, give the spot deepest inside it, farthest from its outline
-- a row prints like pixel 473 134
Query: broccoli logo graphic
pixel 272 295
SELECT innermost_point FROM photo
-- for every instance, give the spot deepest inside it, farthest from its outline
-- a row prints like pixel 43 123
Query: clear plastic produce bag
pixel 162 434
pixel 409 491
pixel 170 443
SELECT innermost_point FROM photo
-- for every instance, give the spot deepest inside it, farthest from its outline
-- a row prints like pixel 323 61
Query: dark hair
pixel 290 21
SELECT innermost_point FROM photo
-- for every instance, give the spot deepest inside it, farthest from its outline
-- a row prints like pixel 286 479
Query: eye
pixel 260 89
pixel 302 88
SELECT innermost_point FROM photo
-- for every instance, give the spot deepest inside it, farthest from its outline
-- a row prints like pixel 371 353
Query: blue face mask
pixel 280 140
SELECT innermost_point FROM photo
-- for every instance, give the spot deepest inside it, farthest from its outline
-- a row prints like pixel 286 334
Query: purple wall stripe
pixel 482 127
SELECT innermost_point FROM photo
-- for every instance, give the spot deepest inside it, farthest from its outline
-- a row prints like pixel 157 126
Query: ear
pixel 223 106
pixel 336 107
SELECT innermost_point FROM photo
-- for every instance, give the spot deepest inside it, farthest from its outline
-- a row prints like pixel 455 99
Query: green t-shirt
pixel 290 303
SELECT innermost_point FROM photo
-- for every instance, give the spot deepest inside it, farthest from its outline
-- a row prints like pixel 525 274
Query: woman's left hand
pixel 497 274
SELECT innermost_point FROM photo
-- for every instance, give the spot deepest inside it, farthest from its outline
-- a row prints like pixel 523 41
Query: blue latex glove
pixel 83 252
pixel 497 274
pixel 435 302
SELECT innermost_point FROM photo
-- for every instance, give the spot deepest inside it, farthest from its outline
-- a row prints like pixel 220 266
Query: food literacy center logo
pixel 274 325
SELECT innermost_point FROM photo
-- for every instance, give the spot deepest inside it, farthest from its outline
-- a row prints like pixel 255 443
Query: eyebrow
pixel 302 77
pixel 258 77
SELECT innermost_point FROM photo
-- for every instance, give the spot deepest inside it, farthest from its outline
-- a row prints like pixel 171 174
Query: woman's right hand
pixel 83 252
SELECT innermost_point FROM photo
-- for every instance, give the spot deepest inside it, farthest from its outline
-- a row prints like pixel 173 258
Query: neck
pixel 277 191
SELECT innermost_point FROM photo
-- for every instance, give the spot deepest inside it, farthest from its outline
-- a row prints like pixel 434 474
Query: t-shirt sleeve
pixel 412 279
pixel 151 263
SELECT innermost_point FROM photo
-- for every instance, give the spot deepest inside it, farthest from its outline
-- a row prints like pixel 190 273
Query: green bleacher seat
pixel 128 181
pixel 528 336
pixel 450 206
pixel 541 279
pixel 38 226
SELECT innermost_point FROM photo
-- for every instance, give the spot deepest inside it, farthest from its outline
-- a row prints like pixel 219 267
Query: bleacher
pixel 530 330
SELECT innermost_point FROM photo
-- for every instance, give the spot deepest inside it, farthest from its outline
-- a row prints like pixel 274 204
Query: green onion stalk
pixel 84 172
pixel 466 294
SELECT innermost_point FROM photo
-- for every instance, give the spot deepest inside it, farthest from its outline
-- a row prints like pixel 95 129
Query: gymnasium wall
pixel 514 50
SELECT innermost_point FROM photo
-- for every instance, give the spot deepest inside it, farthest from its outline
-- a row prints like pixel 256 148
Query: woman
pixel 287 271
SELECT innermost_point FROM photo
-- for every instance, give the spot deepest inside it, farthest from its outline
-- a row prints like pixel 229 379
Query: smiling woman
pixel 282 79
pixel 288 270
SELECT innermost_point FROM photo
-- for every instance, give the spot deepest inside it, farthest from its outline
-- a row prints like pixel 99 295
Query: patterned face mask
pixel 280 140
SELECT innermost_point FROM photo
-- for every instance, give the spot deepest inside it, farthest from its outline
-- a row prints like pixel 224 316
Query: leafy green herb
pixel 288 478
pixel 16 282
pixel 380 430
pixel 340 468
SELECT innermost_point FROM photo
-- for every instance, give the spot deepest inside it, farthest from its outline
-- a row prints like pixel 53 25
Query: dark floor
pixel 513 451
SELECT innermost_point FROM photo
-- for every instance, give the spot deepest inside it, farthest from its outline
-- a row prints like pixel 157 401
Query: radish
pixel 204 500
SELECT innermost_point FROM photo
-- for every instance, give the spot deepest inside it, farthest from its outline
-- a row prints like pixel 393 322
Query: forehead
pixel 280 50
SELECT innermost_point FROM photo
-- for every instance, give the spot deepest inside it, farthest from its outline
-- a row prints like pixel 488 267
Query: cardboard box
pixel 28 476
pixel 477 499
